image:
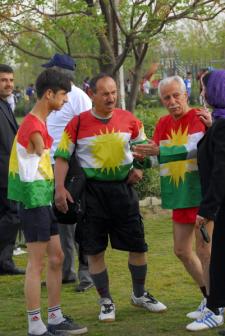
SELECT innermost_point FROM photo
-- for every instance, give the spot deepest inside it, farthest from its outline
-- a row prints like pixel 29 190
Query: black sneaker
pixel 67 325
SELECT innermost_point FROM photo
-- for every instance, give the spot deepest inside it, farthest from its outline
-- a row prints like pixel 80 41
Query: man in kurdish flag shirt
pixel 104 142
pixel 31 183
pixel 175 142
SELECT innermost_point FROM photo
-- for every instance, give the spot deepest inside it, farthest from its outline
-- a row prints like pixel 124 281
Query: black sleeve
pixel 215 194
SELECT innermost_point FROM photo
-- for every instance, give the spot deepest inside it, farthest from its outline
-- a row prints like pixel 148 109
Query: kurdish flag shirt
pixel 180 184
pixel 30 175
pixel 103 149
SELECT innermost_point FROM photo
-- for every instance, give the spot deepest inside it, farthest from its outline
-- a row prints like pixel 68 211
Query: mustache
pixel 173 106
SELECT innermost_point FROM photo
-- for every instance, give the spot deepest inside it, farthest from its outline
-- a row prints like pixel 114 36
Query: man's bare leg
pixel 183 235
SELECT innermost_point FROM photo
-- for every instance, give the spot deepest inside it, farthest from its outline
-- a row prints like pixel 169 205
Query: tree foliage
pixel 104 31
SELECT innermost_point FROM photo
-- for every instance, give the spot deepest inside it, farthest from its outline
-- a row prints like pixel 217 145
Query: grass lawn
pixel 166 279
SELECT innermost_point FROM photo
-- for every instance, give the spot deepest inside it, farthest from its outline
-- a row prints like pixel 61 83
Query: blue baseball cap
pixel 62 61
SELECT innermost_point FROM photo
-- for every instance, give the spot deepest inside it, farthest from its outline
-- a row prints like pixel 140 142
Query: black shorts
pixel 112 210
pixel 38 224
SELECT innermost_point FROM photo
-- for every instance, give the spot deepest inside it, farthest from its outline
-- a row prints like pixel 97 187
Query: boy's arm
pixel 36 144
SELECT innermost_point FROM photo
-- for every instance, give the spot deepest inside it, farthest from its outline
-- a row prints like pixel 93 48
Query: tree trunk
pixel 132 99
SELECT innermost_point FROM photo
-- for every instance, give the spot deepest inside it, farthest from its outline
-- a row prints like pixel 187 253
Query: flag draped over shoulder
pixel 104 149
pixel 30 175
pixel 180 184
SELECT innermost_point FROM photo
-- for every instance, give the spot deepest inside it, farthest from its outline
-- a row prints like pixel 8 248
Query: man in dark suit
pixel 9 220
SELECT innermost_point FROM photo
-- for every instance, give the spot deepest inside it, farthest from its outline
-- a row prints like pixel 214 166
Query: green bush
pixel 150 184
pixel 144 101
pixel 23 107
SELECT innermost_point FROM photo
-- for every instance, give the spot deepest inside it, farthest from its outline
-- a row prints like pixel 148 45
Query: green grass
pixel 167 280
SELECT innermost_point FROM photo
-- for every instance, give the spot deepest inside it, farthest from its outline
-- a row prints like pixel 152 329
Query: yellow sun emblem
pixel 179 138
pixel 177 169
pixel 65 141
pixel 13 162
pixel 45 167
pixel 108 150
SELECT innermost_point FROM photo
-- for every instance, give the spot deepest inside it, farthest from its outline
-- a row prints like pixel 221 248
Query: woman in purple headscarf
pixel 211 162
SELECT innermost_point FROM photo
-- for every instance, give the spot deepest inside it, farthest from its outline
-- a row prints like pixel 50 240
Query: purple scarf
pixel 215 93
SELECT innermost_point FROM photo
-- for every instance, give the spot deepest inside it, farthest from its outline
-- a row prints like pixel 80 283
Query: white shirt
pixel 78 101
pixel 11 101
pixel 146 87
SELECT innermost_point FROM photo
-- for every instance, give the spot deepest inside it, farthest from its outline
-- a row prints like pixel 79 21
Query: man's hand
pixel 200 220
pixel 135 176
pixel 61 197
pixel 206 117
pixel 143 150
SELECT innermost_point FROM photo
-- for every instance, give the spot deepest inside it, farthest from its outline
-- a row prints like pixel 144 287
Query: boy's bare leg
pixel 35 265
pixel 54 271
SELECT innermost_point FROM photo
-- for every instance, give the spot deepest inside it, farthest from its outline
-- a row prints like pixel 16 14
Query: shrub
pixel 150 184
pixel 23 107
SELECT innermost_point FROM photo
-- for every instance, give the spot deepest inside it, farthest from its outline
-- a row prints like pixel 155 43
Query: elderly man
pixel 9 220
pixel 175 143
pixel 78 102
pixel 103 148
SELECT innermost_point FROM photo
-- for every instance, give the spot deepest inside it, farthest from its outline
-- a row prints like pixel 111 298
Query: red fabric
pixel 31 124
pixel 167 123
pixel 185 216
pixel 121 121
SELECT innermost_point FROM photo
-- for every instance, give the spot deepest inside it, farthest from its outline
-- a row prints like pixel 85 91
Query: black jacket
pixel 8 130
pixel 211 162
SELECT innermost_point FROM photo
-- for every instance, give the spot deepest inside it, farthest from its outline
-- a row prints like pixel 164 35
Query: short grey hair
pixel 169 80
pixel 68 73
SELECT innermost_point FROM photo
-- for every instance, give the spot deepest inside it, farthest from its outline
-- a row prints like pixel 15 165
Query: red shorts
pixel 185 216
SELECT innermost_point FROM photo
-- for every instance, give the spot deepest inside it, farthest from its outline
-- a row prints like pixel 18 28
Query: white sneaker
pixel 198 312
pixel 148 302
pixel 207 320
pixel 107 312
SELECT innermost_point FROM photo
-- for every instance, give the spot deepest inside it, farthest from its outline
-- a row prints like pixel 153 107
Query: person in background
pixel 78 102
pixel 103 148
pixel 128 86
pixel 9 219
pixel 211 162
pixel 175 143
pixel 85 85
pixel 30 92
pixel 188 83
pixel 31 182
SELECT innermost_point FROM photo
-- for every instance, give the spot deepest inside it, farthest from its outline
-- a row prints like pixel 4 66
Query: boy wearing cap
pixel 78 102
pixel 31 183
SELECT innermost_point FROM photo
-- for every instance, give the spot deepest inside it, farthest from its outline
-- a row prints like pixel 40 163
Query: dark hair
pixel 205 78
pixel 53 80
pixel 6 68
pixel 94 80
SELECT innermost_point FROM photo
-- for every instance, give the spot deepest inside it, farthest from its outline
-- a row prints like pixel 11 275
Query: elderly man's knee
pixel 181 253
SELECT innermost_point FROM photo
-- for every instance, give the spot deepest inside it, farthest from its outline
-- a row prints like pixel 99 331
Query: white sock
pixel 35 324
pixel 55 315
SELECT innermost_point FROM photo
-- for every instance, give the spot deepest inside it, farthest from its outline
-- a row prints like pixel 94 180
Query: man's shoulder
pixel 79 99
pixel 75 90
pixel 164 119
